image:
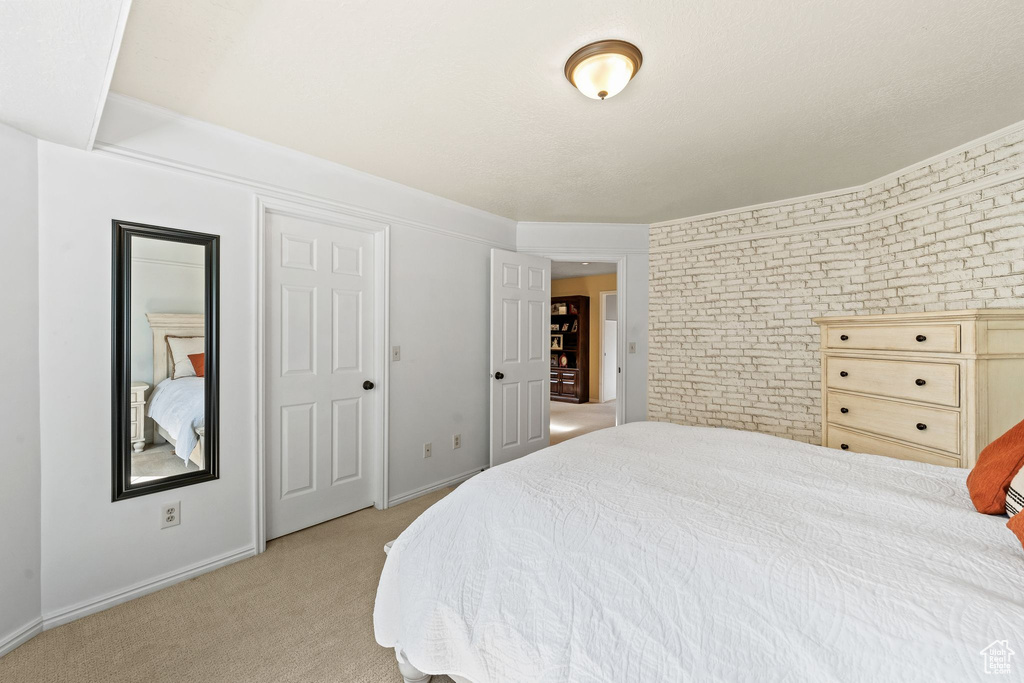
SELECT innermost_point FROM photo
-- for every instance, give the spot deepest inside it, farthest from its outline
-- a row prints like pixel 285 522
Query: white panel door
pixel 322 414
pixel 520 354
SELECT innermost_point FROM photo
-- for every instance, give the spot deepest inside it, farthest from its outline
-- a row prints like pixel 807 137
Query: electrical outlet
pixel 170 515
pixel 426 450
pixel 396 353
pixel 457 441
pixel 632 347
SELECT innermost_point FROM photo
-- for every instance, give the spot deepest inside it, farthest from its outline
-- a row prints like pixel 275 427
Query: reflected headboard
pixel 171 325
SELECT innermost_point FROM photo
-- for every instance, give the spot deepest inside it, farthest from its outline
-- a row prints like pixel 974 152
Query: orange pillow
pixel 997 465
pixel 1016 525
pixel 199 363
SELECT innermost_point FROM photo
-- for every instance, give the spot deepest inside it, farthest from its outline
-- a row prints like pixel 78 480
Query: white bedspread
pixel 653 552
pixel 179 406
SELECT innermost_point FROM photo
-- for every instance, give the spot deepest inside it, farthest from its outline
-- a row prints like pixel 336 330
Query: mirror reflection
pixel 168 345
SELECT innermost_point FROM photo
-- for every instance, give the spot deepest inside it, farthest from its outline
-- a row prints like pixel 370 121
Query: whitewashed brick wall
pixel 731 338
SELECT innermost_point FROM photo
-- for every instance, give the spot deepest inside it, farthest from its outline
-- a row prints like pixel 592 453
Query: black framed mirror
pixel 165 359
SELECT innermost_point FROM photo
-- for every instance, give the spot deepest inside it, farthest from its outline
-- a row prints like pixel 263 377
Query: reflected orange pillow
pixel 997 465
pixel 198 362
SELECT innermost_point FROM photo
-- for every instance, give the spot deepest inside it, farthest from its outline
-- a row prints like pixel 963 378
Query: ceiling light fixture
pixel 585 263
pixel 602 69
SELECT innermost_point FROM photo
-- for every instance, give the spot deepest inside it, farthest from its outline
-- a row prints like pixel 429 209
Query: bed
pixel 655 552
pixel 177 406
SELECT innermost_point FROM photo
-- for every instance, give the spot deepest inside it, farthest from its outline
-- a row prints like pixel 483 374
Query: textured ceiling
pixel 738 101
pixel 561 270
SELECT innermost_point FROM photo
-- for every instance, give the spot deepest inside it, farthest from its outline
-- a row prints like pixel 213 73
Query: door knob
pixel 499 375
pixel 367 385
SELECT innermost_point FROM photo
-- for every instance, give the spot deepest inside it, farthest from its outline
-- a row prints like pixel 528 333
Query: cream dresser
pixel 934 387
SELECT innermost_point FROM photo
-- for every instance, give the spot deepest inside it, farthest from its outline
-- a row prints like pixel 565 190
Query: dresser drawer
pixel 933 338
pixel 863 443
pixel 929 382
pixel 903 421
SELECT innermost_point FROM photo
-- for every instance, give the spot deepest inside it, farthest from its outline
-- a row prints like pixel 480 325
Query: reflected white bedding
pixel 654 552
pixel 178 405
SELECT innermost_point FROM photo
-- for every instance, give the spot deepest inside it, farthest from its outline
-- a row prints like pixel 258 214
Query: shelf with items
pixel 570 348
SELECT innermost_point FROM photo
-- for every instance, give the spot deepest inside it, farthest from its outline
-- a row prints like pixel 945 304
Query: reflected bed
pixel 177 406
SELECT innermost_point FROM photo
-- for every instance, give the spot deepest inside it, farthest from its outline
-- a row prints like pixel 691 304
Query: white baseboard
pixel 83 609
pixel 423 490
pixel 26 632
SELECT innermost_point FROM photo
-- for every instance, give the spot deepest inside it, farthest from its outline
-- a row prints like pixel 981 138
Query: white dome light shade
pixel 602 76
pixel 601 70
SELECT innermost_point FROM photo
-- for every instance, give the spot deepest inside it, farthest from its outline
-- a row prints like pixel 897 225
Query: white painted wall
pixel 568 240
pixel 440 255
pixel 140 130
pixel 439 316
pixel 95 552
pixel 19 388
pixel 93 548
pixel 156 167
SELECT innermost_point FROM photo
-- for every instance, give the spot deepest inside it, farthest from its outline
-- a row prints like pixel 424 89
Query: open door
pixel 520 354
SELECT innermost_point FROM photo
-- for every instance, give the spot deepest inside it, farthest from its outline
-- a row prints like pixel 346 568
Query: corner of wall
pixel 20 487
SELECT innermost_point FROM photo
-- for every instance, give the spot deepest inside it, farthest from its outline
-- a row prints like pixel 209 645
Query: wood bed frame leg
pixel 410 674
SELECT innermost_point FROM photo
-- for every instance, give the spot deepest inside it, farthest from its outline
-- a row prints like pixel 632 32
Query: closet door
pixel 323 416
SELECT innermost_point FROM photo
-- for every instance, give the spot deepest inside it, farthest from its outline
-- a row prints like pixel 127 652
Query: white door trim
pixel 381 230
pixel 618 257
pixel 602 392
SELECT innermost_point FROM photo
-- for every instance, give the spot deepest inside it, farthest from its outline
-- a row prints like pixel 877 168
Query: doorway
pixel 584 359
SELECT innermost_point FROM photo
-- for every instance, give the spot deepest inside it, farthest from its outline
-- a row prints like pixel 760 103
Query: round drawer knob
pixel 844 337
pixel 845 446
pixel 844 373
pixel 922 426
pixel 921 338
pixel 920 382
pixel 844 410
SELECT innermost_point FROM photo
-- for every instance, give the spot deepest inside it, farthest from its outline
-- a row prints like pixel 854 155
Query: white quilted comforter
pixel 653 552
pixel 179 406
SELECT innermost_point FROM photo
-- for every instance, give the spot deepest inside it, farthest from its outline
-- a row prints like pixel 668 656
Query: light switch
pixel 396 353
pixel 632 347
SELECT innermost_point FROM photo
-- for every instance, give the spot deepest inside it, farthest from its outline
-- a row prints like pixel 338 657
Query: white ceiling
pixel 56 61
pixel 560 270
pixel 738 101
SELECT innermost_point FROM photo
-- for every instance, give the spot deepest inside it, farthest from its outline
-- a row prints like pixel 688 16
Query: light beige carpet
pixel 160 461
pixel 572 419
pixel 301 611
